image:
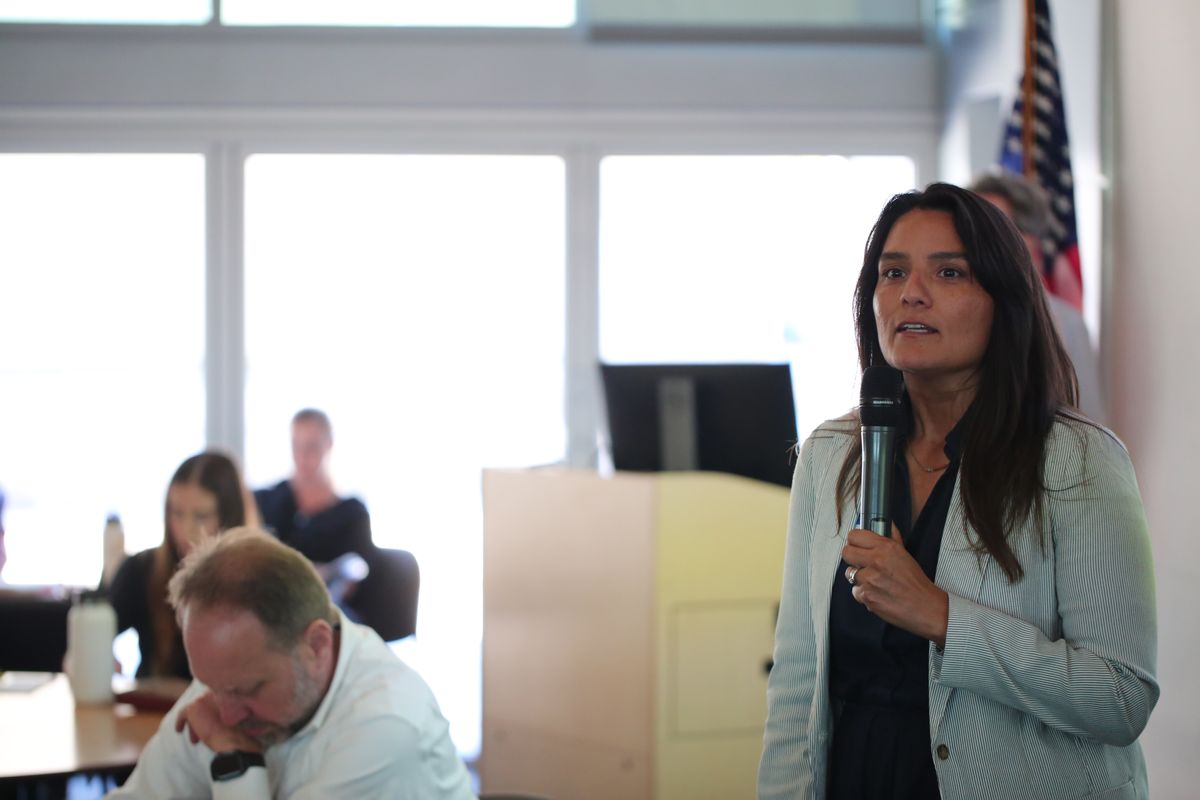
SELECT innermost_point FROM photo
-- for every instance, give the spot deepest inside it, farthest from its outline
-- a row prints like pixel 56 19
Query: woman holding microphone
pixel 1000 643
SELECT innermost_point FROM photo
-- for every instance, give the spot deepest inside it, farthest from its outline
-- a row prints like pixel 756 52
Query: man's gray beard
pixel 306 693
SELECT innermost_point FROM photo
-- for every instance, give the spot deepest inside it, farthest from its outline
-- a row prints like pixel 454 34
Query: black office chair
pixel 33 633
pixel 386 599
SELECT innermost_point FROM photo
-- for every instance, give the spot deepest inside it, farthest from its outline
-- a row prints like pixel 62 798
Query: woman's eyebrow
pixel 941 255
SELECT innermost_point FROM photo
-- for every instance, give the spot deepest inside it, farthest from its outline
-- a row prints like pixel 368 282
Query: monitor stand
pixel 677 439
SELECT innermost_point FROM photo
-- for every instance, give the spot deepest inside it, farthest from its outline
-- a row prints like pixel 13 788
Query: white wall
pixel 46 67
pixel 1153 330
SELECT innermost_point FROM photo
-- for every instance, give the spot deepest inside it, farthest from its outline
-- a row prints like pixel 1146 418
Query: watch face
pixel 227 766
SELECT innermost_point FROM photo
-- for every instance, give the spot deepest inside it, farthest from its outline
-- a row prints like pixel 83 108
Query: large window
pixel 741 258
pixel 102 319
pixel 419 300
pixel 177 12
pixel 367 13
pixel 439 13
pixel 735 15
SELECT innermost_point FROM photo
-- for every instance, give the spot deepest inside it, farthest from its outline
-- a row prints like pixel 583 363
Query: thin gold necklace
pixel 917 461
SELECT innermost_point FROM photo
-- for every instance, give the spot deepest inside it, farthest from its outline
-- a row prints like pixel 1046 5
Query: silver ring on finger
pixel 851 574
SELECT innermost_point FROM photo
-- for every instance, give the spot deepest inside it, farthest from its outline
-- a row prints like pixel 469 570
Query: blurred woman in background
pixel 206 496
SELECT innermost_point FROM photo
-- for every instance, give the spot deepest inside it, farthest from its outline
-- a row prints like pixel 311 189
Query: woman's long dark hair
pixel 217 474
pixel 1026 376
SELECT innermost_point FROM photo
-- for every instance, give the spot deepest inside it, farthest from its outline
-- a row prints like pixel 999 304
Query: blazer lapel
pixel 824 557
pixel 961 571
pixel 826 554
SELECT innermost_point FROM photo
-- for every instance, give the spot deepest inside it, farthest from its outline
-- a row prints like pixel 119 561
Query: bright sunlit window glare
pixel 419 301
pixel 412 13
pixel 741 259
pixel 102 315
pixel 117 12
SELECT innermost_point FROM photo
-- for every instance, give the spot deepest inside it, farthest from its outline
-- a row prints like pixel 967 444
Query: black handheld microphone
pixel 881 415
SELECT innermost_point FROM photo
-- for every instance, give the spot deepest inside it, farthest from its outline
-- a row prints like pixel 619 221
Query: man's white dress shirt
pixel 378 732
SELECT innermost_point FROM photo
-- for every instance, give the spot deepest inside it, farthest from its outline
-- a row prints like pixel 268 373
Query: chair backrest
pixel 33 633
pixel 386 599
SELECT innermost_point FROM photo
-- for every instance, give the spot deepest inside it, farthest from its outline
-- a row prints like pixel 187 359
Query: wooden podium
pixel 628 624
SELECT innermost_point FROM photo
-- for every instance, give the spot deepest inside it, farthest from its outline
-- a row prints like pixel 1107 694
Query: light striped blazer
pixel 1043 686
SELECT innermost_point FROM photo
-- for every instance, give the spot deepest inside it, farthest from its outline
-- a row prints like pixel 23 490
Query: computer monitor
pixel 734 418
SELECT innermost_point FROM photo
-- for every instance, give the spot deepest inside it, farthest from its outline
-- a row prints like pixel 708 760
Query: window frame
pixel 233 127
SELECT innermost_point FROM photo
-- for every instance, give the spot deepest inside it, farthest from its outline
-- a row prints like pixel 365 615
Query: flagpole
pixel 1027 91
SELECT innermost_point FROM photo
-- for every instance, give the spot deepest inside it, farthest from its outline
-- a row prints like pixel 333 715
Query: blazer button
pixel 943 752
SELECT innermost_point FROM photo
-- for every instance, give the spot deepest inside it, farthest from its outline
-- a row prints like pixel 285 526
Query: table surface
pixel 44 733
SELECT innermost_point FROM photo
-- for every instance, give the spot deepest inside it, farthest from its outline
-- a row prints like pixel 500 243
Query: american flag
pixel 1038 126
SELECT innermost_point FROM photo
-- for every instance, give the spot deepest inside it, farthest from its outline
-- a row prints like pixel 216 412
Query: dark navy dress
pixel 879 674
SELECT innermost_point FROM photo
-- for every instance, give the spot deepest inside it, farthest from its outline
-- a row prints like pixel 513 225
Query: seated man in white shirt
pixel 290 699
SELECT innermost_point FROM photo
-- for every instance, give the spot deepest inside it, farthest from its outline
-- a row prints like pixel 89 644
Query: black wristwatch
pixel 234 763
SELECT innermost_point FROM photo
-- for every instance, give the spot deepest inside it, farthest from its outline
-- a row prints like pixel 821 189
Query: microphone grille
pixel 882 388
